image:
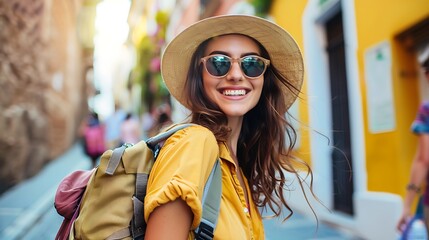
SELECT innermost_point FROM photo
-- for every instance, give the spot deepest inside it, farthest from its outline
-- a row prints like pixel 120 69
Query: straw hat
pixel 283 51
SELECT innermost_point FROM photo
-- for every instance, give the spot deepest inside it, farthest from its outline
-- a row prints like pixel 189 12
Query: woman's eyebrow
pixel 219 52
pixel 250 53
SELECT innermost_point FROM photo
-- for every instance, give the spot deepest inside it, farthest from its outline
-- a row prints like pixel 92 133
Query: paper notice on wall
pixel 379 90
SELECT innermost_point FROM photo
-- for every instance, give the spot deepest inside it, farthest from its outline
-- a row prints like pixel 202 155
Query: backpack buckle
pixel 204 232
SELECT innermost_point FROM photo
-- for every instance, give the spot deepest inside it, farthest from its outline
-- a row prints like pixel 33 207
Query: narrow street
pixel 354 77
pixel 27 212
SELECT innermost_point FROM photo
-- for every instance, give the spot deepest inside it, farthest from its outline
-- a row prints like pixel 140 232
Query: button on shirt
pixel 181 170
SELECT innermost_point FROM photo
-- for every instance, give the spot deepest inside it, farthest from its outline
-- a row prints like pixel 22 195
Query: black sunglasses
pixel 219 65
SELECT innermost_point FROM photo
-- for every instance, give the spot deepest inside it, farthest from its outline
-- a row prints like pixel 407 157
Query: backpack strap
pixel 211 204
pixel 154 143
pixel 138 225
pixel 115 158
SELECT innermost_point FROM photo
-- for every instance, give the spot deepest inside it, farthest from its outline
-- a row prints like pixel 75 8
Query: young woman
pixel 237 75
pixel 420 165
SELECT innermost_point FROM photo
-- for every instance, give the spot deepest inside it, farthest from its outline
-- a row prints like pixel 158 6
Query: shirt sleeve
pixel 181 170
pixel 421 123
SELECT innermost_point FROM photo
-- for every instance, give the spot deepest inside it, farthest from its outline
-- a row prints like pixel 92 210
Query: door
pixel 341 153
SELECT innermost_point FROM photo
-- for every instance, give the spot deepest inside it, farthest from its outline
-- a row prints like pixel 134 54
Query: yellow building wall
pixel 288 14
pixel 389 155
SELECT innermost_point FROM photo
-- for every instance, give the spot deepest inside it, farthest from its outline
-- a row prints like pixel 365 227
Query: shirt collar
pixel 224 152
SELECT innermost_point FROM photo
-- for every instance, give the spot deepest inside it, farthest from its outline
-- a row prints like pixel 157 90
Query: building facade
pixel 46 52
pixel 362 90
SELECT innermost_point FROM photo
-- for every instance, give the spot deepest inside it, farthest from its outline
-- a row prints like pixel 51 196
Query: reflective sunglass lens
pixel 252 66
pixel 218 65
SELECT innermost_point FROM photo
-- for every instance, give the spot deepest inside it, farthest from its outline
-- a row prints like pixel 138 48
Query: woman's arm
pixel 175 186
pixel 419 169
pixel 170 221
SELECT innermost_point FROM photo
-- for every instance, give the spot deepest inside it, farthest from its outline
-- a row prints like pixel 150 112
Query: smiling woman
pixel 229 72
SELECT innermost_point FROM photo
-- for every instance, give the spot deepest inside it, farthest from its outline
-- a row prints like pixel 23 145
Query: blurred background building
pixel 46 51
pixel 361 91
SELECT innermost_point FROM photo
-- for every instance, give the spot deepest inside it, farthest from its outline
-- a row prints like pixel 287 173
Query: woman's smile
pixel 234 92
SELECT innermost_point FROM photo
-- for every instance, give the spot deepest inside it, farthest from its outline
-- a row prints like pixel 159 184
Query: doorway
pixel 341 154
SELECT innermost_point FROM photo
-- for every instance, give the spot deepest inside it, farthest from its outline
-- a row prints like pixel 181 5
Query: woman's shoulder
pixel 194 133
pixel 192 142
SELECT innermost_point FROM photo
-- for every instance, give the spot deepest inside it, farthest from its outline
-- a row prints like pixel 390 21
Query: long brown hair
pixel 266 139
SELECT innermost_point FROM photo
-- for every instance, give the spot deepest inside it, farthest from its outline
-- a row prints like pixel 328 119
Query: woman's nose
pixel 235 73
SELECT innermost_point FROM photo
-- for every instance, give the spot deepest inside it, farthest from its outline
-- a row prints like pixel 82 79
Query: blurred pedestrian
pixel 130 130
pixel 238 75
pixel 93 133
pixel 147 122
pixel 420 165
pixel 162 119
pixel 113 127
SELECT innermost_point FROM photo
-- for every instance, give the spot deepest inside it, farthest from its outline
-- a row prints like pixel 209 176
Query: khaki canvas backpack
pixel 112 205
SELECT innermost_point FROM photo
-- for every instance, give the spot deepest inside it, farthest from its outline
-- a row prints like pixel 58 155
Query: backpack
pixel 94 140
pixel 109 203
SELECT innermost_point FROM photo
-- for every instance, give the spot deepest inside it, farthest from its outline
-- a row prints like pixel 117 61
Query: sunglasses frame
pixel 232 60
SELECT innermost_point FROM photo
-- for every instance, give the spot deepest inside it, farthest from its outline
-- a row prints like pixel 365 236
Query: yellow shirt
pixel 181 170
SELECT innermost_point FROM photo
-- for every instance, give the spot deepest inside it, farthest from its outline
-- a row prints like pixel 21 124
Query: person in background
pixel 238 75
pixel 93 133
pixel 420 165
pixel 113 127
pixel 147 122
pixel 130 130
pixel 162 119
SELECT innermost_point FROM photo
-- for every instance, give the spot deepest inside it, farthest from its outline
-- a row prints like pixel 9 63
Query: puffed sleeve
pixel 181 170
pixel 421 123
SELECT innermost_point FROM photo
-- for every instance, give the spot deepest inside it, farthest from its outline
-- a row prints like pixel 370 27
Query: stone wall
pixel 42 90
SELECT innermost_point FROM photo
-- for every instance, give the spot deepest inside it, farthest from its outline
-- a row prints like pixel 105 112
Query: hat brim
pixel 283 51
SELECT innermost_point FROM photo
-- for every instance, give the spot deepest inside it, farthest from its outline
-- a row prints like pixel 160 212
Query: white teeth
pixel 241 92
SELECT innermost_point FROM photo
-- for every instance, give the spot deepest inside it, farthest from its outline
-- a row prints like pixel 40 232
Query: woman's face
pixel 234 93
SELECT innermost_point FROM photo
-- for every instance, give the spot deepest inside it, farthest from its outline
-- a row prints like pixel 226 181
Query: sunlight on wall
pixel 111 56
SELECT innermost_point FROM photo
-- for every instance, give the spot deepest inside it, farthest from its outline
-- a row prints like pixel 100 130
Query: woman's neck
pixel 235 125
